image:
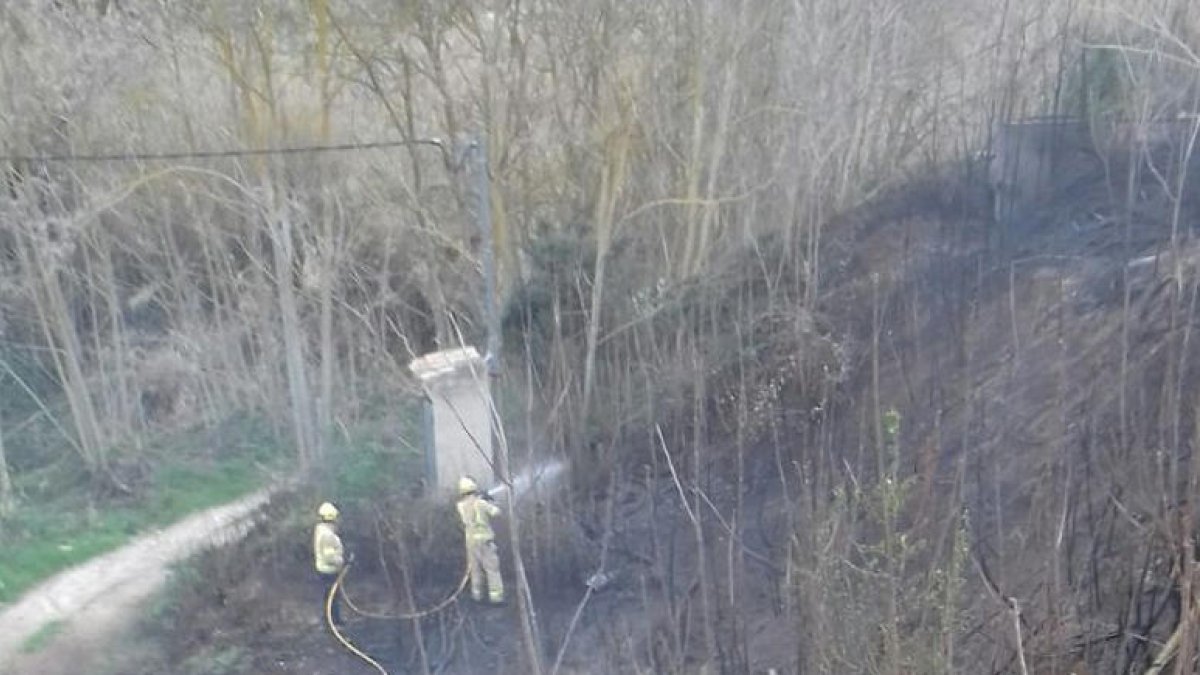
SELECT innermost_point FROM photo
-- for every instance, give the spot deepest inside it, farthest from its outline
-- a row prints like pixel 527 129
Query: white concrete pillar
pixel 456 382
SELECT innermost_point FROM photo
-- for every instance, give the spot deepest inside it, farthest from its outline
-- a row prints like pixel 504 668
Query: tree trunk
pixel 59 331
pixel 328 267
pixel 293 341
pixel 612 178
pixel 6 493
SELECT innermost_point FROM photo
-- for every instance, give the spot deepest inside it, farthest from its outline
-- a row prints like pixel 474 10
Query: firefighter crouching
pixel 476 510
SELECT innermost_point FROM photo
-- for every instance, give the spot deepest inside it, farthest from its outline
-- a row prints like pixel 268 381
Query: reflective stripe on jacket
pixel 327 549
pixel 476 515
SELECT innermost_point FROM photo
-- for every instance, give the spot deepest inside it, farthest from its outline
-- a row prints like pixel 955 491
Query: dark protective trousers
pixel 326 582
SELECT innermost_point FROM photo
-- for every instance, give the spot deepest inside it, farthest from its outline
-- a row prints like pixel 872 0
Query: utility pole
pixel 483 214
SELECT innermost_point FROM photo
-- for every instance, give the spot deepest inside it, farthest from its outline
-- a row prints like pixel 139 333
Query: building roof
pixel 445 362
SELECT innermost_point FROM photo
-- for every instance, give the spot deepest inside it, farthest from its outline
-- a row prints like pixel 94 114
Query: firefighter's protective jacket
pixel 476 514
pixel 327 549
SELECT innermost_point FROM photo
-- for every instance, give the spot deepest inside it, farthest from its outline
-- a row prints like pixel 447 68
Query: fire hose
pixel 338 585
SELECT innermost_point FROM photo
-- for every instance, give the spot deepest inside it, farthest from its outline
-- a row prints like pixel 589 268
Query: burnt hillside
pixel 1038 475
pixel 863 328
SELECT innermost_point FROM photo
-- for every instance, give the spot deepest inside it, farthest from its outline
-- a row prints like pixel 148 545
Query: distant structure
pixel 458 417
pixel 1037 159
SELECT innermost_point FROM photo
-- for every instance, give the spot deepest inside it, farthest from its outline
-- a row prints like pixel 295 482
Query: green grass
pixel 214 661
pixel 59 525
pixel 185 489
pixel 366 470
pixel 43 636
pixel 56 531
pixel 371 461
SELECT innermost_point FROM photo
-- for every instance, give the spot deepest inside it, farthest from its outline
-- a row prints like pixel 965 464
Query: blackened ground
pixel 254 607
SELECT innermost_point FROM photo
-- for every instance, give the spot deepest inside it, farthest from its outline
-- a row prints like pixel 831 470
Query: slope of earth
pixel 92 604
pixel 1048 398
pixel 1028 514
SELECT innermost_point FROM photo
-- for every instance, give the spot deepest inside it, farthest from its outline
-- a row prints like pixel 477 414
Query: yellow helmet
pixel 328 512
pixel 467 485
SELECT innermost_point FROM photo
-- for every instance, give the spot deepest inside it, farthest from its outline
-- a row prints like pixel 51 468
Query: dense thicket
pixel 702 214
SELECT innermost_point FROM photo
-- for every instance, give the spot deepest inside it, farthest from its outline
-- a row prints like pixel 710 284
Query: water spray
pixel 539 474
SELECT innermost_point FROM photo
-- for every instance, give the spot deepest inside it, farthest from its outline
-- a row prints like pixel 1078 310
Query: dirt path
pixel 99 598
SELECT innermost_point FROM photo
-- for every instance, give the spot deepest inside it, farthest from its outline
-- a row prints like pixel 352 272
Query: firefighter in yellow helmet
pixel 476 510
pixel 329 556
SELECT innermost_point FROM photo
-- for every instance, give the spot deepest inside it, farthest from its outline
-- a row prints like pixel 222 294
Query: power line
pixel 212 154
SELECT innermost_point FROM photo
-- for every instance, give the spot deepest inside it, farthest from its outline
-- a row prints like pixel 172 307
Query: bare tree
pixel 7 498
